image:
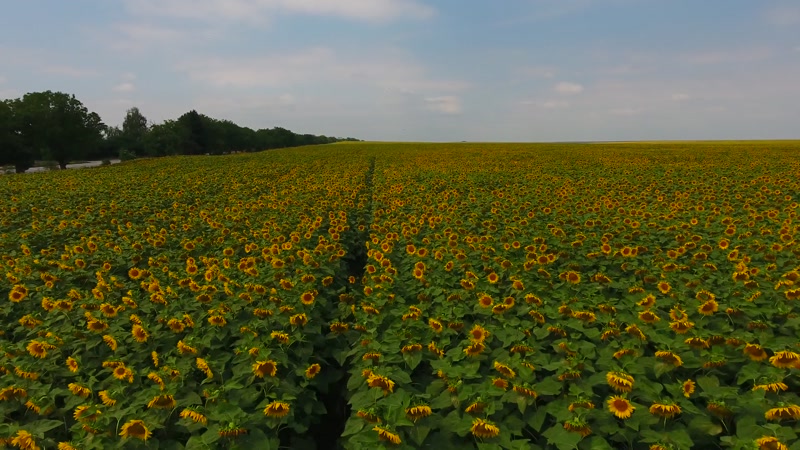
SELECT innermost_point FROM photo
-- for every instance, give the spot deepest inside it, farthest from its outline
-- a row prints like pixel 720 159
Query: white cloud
pixel 124 87
pixel 259 11
pixel 565 87
pixel 739 56
pixel 783 15
pixel 448 104
pixel 554 104
pixel 385 69
pixel 68 71
pixel 680 97
pixel 538 72
pixel 2 79
pixel 625 111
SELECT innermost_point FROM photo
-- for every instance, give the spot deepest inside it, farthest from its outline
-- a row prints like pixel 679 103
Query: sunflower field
pixel 363 296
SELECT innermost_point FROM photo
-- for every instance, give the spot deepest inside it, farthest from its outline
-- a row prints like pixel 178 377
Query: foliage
pixel 453 295
pixel 56 126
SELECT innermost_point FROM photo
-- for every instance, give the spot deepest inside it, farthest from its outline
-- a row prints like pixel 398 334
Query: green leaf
pixel 537 419
pixel 549 386
pixel 353 426
pixel 561 438
pixel 40 427
pixel 596 443
pixel 708 383
pixel 419 433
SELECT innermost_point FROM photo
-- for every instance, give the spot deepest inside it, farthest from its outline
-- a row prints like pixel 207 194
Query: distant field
pixel 407 295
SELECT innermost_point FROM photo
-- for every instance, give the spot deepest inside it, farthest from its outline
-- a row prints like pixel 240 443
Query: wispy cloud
pixel 448 104
pixel 538 72
pixel 260 11
pixel 125 87
pixel 565 87
pixel 384 69
pixel 733 56
pixel 680 97
pixel 68 71
pixel 783 15
pixel 555 104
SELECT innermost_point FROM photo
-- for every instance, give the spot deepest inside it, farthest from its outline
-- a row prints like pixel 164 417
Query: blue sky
pixel 500 70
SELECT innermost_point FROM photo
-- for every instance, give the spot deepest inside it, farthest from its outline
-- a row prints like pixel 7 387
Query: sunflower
pixel 521 349
pixel 582 404
pixel 194 416
pixel 298 320
pixel 537 316
pixel 379 381
pixel 217 321
pixel 708 308
pixel 578 426
pixel 526 391
pixel 474 349
pixel 719 409
pixel 79 390
pixel 475 407
pixel 183 348
pixel 339 327
pixel 770 443
pixel 263 368
pixel 782 412
pixel 106 399
pixel 202 364
pixel 688 387
pixel 483 429
pixel 18 293
pixel 648 302
pixel 121 372
pixel 571 277
pixel 755 352
pixel 96 325
pixel 66 446
pixel 277 409
pixel 418 412
pixel 386 435
pixel 500 383
pixel 624 352
pixel 307 298
pixel 504 370
pixel 24 441
pixel 620 382
pixel 166 401
pixel 664 287
pixel 485 301
pixel 665 410
pixel 139 333
pixel 313 370
pixel 775 387
pixel 369 416
pixel 696 342
pixel 411 348
pixel 634 331
pixel 38 349
pixel 374 356
pixel 669 357
pixel 785 359
pixel 135 429
pixel 620 407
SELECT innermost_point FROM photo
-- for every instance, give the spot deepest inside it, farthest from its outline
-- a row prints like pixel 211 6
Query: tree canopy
pixel 56 126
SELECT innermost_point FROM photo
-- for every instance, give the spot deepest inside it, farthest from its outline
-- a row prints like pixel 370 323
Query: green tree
pixel 12 148
pixel 59 125
pixel 198 139
pixel 134 131
pixel 165 139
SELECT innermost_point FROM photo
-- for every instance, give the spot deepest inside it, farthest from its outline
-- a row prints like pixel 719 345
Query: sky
pixel 422 70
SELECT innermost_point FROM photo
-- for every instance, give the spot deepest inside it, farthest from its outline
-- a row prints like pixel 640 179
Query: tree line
pixel 56 126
